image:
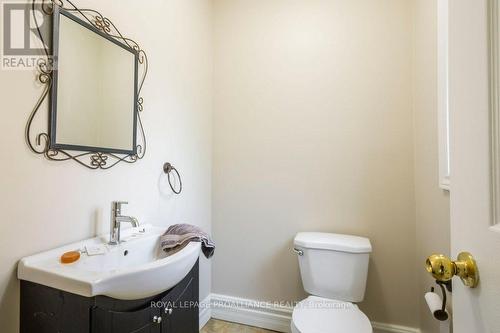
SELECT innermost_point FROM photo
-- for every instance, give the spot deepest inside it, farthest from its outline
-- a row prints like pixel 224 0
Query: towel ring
pixel 168 168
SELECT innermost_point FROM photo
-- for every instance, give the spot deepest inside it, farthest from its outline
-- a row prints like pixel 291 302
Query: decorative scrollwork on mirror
pixel 41 143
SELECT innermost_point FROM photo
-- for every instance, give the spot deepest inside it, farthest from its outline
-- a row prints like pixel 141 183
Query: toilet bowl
pixel 321 315
pixel 334 270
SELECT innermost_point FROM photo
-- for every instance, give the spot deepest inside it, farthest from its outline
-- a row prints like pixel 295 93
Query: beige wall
pixel 313 130
pixel 432 203
pixel 45 204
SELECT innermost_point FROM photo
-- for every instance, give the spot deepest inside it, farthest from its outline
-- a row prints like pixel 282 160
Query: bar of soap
pixel 70 257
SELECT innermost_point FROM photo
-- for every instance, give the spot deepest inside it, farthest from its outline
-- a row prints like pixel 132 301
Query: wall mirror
pixel 94 95
pixel 93 76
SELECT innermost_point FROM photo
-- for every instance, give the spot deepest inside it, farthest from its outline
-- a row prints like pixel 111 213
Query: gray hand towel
pixel 179 235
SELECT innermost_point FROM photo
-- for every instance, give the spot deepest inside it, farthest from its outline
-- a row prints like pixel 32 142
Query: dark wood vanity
pixel 48 310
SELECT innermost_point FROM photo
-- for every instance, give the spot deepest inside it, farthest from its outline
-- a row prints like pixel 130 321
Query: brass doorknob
pixel 443 268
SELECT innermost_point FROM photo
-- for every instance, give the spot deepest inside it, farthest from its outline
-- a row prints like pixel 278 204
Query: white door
pixel 472 223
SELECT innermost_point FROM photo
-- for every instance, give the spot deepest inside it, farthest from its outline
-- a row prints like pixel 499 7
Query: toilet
pixel 334 269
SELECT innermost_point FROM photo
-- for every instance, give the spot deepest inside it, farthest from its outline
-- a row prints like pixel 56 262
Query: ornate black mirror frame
pixel 40 143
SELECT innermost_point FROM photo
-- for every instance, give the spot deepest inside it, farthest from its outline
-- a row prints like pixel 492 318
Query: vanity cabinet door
pixel 147 320
pixel 181 311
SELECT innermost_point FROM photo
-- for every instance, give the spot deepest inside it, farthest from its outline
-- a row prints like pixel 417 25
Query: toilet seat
pixel 321 315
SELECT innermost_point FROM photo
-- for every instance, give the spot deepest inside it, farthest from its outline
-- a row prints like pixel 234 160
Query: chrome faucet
pixel 117 219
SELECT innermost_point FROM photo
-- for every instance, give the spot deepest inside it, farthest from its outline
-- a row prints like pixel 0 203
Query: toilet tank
pixel 333 266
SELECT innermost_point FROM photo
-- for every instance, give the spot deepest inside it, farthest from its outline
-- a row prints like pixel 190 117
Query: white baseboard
pixel 205 311
pixel 268 315
pixel 252 313
pixel 389 328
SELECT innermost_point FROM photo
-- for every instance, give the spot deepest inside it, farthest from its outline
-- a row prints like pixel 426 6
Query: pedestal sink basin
pixel 134 269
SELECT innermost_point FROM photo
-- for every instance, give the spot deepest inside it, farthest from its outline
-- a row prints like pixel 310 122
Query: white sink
pixel 143 272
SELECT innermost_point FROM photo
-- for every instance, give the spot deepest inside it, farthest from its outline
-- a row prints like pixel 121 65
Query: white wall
pixel 46 204
pixel 432 203
pixel 313 130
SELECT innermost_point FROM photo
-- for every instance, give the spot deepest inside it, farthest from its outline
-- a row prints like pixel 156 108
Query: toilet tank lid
pixel 334 242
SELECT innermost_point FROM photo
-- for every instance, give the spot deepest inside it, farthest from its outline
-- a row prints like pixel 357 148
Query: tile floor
pixel 218 326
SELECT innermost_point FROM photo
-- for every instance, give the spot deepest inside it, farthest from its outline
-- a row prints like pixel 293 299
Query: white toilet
pixel 334 269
